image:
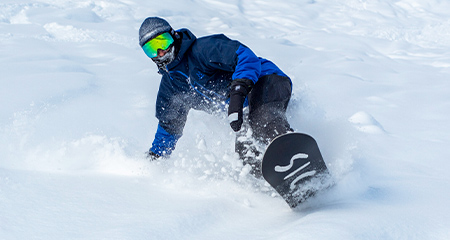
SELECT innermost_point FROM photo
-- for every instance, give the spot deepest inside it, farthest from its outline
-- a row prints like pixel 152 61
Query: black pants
pixel 268 101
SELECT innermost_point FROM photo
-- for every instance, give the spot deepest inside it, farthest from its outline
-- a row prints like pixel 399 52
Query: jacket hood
pixel 186 42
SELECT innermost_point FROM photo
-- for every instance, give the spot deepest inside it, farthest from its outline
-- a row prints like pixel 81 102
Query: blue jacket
pixel 199 78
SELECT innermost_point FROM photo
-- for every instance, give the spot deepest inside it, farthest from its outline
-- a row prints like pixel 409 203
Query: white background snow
pixel 371 84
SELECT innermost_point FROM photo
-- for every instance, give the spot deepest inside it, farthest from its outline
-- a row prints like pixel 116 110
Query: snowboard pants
pixel 268 101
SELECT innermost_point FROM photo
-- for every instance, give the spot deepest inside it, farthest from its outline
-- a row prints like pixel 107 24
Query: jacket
pixel 199 78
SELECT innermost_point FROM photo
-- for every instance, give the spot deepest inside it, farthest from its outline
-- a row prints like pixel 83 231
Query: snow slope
pixel 371 84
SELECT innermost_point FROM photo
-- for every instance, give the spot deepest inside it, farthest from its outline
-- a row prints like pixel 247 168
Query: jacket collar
pixel 187 39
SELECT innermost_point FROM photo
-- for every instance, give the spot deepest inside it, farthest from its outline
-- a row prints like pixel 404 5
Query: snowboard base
pixel 293 165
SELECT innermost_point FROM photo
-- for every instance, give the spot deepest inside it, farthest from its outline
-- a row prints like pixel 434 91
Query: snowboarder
pixel 213 73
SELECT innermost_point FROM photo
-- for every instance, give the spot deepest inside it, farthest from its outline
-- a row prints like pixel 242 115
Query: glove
pixel 152 156
pixel 238 92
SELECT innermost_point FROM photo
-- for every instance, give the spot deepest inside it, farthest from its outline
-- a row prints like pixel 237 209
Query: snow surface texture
pixel 371 84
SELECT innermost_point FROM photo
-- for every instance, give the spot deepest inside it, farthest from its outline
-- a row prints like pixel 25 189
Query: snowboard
pixel 293 165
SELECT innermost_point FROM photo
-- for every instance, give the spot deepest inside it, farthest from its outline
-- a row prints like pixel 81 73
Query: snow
pixel 371 84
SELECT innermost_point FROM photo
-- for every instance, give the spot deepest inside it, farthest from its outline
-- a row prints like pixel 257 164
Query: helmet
pixel 152 27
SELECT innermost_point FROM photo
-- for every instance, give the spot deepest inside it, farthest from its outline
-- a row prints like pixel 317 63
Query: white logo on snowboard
pixel 280 169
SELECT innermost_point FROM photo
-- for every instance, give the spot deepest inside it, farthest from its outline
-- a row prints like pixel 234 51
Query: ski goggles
pixel 162 41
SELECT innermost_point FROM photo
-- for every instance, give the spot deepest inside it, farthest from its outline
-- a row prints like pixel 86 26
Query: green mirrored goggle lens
pixel 162 41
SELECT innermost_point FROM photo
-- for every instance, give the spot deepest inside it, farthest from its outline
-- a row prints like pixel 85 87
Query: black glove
pixel 152 156
pixel 238 92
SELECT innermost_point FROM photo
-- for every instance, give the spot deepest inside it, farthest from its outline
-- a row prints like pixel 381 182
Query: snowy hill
pixel 371 84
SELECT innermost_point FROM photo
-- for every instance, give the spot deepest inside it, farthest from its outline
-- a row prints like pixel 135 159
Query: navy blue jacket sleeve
pixel 164 142
pixel 171 110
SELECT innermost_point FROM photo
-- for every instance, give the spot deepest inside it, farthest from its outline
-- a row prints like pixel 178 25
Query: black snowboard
pixel 293 165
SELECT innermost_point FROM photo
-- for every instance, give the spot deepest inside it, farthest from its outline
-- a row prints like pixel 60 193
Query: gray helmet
pixel 152 27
